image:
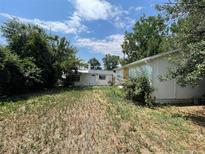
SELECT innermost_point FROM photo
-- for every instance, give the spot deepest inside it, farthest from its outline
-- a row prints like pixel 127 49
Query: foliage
pixel 188 35
pixel 147 39
pixel 38 55
pixel 66 59
pixel 17 75
pixel 111 61
pixel 139 89
pixel 94 64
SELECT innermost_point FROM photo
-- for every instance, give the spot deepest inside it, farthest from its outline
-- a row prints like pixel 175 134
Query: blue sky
pixel 95 27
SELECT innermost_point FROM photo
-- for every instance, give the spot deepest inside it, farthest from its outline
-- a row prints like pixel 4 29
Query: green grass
pixel 94 120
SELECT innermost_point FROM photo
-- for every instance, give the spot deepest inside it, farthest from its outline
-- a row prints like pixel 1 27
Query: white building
pixel 94 78
pixel 153 67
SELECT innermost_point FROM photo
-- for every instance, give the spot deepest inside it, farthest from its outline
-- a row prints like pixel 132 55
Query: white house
pixel 94 78
pixel 153 67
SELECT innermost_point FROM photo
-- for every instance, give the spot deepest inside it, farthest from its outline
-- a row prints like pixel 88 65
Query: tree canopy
pixel 94 64
pixel 33 59
pixel 147 39
pixel 111 61
pixel 188 35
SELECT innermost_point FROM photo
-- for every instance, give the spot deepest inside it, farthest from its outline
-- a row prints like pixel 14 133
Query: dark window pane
pixel 102 77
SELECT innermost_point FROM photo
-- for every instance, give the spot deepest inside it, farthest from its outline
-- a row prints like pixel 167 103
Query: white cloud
pixel 73 25
pixel 86 10
pixel 123 22
pixel 123 19
pixel 111 44
pixel 95 9
pixel 103 10
pixel 138 8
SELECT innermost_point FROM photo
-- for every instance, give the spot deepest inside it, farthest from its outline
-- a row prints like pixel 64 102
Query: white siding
pixel 189 91
pixel 118 75
pixel 164 89
pixel 170 89
pixel 86 79
pixel 106 82
pixel 141 69
pixel 92 78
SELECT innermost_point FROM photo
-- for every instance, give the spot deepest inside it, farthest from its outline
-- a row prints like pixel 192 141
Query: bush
pixel 139 90
pixel 16 75
pixel 33 59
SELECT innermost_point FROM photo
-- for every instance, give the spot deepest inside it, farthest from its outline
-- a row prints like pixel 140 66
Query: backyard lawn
pixel 97 120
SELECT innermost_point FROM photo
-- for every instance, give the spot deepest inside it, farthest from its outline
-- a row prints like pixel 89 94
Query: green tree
pixel 33 51
pixel 111 61
pixel 147 39
pixel 94 64
pixel 65 55
pixel 17 75
pixel 188 36
pixel 29 41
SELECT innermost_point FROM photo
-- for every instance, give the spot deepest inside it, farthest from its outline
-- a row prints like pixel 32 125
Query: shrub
pixel 139 90
pixel 33 59
pixel 16 75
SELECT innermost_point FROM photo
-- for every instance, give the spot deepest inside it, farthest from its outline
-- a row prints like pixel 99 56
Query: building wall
pixel 118 75
pixel 170 89
pixel 87 79
pixel 165 89
pixel 105 82
pixel 141 69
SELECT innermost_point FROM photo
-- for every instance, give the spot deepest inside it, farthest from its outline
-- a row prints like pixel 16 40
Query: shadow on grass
pixel 197 117
pixel 53 91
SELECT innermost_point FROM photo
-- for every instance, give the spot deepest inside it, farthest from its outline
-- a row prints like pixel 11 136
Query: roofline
pixel 145 60
pixel 89 71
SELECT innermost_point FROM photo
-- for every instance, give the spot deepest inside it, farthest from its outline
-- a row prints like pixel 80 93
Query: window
pixel 102 77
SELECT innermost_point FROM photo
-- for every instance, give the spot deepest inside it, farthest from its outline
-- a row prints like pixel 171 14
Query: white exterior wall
pixel 141 69
pixel 86 79
pixel 118 75
pixel 164 89
pixel 170 89
pixel 189 91
pixel 92 79
pixel 105 82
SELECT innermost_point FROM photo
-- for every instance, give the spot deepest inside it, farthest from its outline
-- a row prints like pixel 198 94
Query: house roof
pixel 96 72
pixel 148 59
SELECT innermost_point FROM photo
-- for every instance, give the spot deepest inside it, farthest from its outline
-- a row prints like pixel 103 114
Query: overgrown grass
pixel 153 130
pixel 94 120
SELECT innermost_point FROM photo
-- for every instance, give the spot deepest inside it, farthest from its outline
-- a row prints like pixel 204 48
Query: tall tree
pixel 147 39
pixel 65 54
pixel 30 41
pixel 188 35
pixel 36 55
pixel 111 61
pixel 94 64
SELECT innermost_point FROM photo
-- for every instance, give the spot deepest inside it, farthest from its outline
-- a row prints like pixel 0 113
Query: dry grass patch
pixel 159 130
pixel 68 122
pixel 97 120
